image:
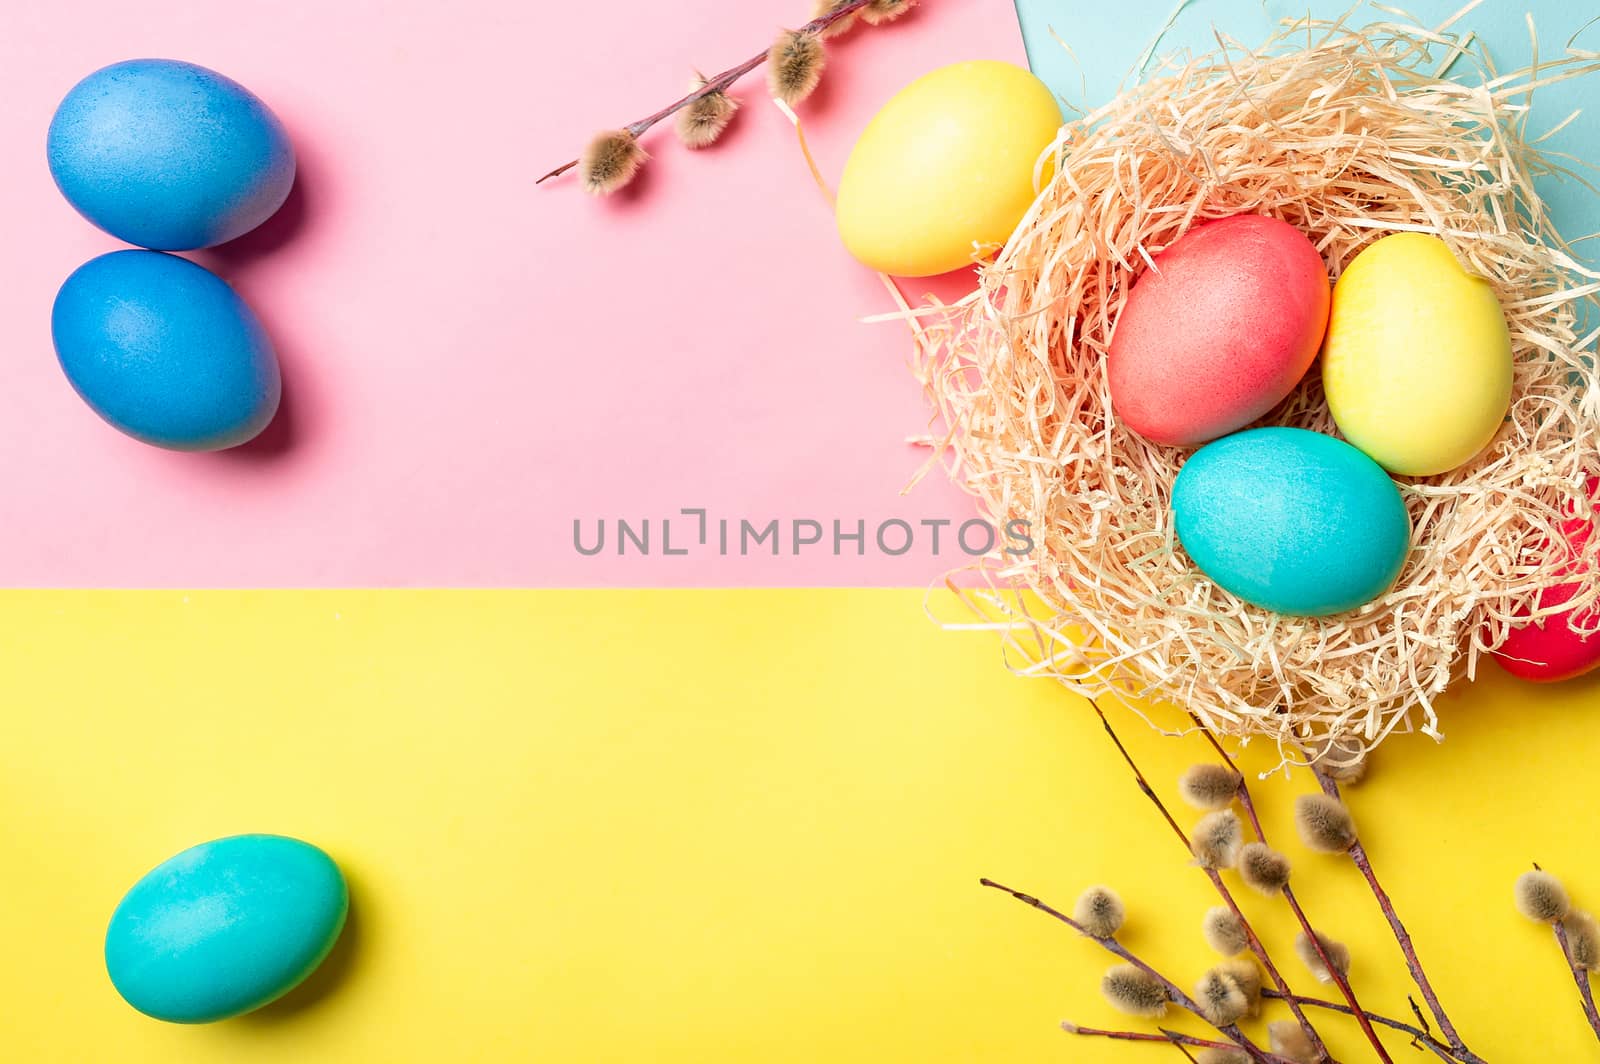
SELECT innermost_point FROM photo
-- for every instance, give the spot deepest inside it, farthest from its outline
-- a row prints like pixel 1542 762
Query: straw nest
pixel 1347 134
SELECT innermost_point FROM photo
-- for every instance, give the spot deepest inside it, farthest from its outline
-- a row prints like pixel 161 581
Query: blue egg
pixel 165 351
pixel 225 927
pixel 169 155
pixel 1292 521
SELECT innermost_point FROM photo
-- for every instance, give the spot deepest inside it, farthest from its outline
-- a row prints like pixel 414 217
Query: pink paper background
pixel 472 362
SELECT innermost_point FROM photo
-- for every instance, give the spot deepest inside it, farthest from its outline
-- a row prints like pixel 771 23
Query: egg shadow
pixel 234 262
pixel 283 431
pixel 632 196
pixel 332 973
pixel 268 237
pixel 1588 683
pixel 739 128
pixel 950 287
pixel 947 288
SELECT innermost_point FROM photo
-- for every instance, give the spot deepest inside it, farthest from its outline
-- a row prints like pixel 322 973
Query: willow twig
pixel 1579 976
pixel 1222 890
pixel 1169 1037
pixel 1419 1036
pixel 1340 979
pixel 1174 991
pixel 719 82
pixel 1358 854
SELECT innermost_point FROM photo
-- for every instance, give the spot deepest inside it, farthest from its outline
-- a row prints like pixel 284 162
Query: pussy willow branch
pixel 1260 952
pixel 1580 977
pixel 1339 978
pixel 1169 1037
pixel 719 83
pixel 1358 854
pixel 1174 991
pixel 1222 890
pixel 1418 1036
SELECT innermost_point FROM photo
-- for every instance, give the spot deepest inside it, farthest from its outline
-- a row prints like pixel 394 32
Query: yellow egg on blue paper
pixel 946 165
pixel 1417 361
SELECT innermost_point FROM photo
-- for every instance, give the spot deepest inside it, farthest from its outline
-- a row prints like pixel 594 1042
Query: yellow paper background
pixel 701 826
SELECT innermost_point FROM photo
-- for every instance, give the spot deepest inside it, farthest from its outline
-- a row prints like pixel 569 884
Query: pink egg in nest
pixel 1219 331
pixel 1559 649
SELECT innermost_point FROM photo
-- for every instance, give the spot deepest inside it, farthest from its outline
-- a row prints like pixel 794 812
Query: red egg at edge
pixel 1220 331
pixel 1556 651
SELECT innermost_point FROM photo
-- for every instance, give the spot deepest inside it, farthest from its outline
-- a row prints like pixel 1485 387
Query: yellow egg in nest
pixel 946 169
pixel 1417 360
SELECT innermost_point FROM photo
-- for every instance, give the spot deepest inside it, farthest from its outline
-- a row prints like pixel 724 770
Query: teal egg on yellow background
pixel 1291 520
pixel 225 927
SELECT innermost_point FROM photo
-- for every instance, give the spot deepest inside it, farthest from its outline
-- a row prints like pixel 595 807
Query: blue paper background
pixel 1108 37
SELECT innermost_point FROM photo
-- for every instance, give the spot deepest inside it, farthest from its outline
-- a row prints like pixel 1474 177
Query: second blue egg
pixel 165 351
